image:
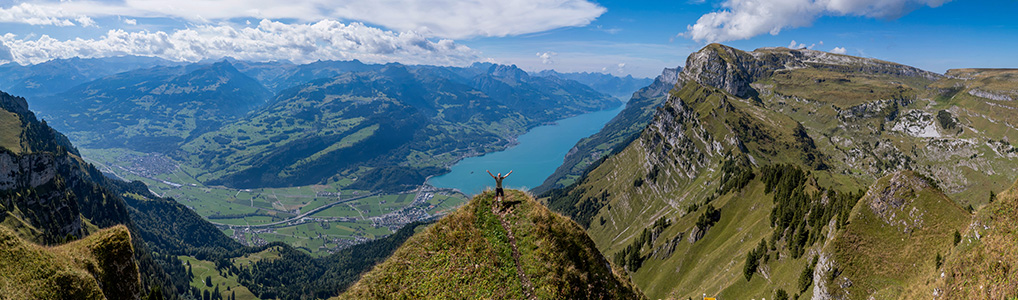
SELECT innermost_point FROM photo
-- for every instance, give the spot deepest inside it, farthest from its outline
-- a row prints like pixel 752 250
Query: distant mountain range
pixel 155 109
pixel 619 87
pixel 251 124
pixel 58 75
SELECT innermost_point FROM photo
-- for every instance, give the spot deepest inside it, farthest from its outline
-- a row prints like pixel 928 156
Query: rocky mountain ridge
pixel 758 157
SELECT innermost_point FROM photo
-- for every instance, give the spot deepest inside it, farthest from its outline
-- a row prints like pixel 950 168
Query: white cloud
pixel 608 30
pixel 31 14
pixel 441 18
pixel 794 46
pixel 839 50
pixel 5 54
pixel 546 57
pixel 622 68
pixel 325 40
pixel 743 19
pixel 85 21
pixel 133 21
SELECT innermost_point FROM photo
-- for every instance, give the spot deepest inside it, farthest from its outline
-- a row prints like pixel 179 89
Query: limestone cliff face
pixel 733 70
pixel 31 191
pixel 46 190
pixel 722 67
pixel 30 170
pixel 676 136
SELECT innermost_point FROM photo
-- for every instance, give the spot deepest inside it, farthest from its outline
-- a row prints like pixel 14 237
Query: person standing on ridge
pixel 499 193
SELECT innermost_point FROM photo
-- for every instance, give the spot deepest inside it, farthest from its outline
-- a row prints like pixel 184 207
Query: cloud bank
pixel 455 19
pixel 743 19
pixel 41 15
pixel 269 40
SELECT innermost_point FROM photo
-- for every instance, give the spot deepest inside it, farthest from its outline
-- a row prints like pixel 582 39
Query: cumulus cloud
pixel 5 54
pixel 743 19
pixel 793 45
pixel 441 18
pixel 546 57
pixel 31 14
pixel 269 40
pixel 132 21
pixel 839 50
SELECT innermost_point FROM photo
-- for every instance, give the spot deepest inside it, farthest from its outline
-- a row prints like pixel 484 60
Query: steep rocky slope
pixel 757 160
pixel 894 242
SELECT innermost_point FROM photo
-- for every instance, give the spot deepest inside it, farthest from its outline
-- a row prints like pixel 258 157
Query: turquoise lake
pixel 536 156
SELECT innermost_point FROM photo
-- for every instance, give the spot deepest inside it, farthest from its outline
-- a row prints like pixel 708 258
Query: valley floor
pixel 319 219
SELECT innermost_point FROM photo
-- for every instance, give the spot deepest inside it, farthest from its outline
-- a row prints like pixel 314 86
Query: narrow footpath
pixel 528 288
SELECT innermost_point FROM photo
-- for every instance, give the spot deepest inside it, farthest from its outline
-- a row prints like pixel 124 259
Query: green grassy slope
pixel 363 125
pixel 100 266
pixel 470 254
pixel 983 264
pixel 891 242
pixel 845 121
pixel 153 110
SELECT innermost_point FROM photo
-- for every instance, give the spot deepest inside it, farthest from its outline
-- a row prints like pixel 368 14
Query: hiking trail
pixel 528 288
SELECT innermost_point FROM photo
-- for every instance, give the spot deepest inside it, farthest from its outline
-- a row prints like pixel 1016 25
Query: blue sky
pixel 619 37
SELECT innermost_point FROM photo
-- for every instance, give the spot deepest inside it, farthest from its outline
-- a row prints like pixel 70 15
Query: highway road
pixel 298 217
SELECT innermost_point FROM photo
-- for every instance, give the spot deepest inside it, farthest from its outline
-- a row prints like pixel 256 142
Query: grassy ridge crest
pixel 469 254
pixel 100 266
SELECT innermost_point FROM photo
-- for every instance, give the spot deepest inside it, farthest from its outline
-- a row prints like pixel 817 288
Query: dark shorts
pixel 499 192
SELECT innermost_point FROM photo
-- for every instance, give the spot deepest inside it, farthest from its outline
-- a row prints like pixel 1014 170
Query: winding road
pixel 298 217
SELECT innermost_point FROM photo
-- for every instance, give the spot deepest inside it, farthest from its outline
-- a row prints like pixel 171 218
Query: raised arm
pixel 507 174
pixel 489 173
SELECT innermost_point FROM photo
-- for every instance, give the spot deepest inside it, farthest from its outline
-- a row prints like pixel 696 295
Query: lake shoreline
pixel 536 153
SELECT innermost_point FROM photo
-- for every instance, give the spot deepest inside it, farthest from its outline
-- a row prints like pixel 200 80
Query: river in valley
pixel 536 156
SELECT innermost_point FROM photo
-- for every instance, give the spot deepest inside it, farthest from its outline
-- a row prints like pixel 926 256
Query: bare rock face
pixel 35 170
pixel 31 189
pixel 669 75
pixel 888 109
pixel 989 95
pixel 670 130
pixel 733 70
pixel 722 67
pixel 890 203
pixel 820 290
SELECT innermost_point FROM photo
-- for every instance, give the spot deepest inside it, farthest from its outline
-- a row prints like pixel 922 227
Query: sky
pixel 632 37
